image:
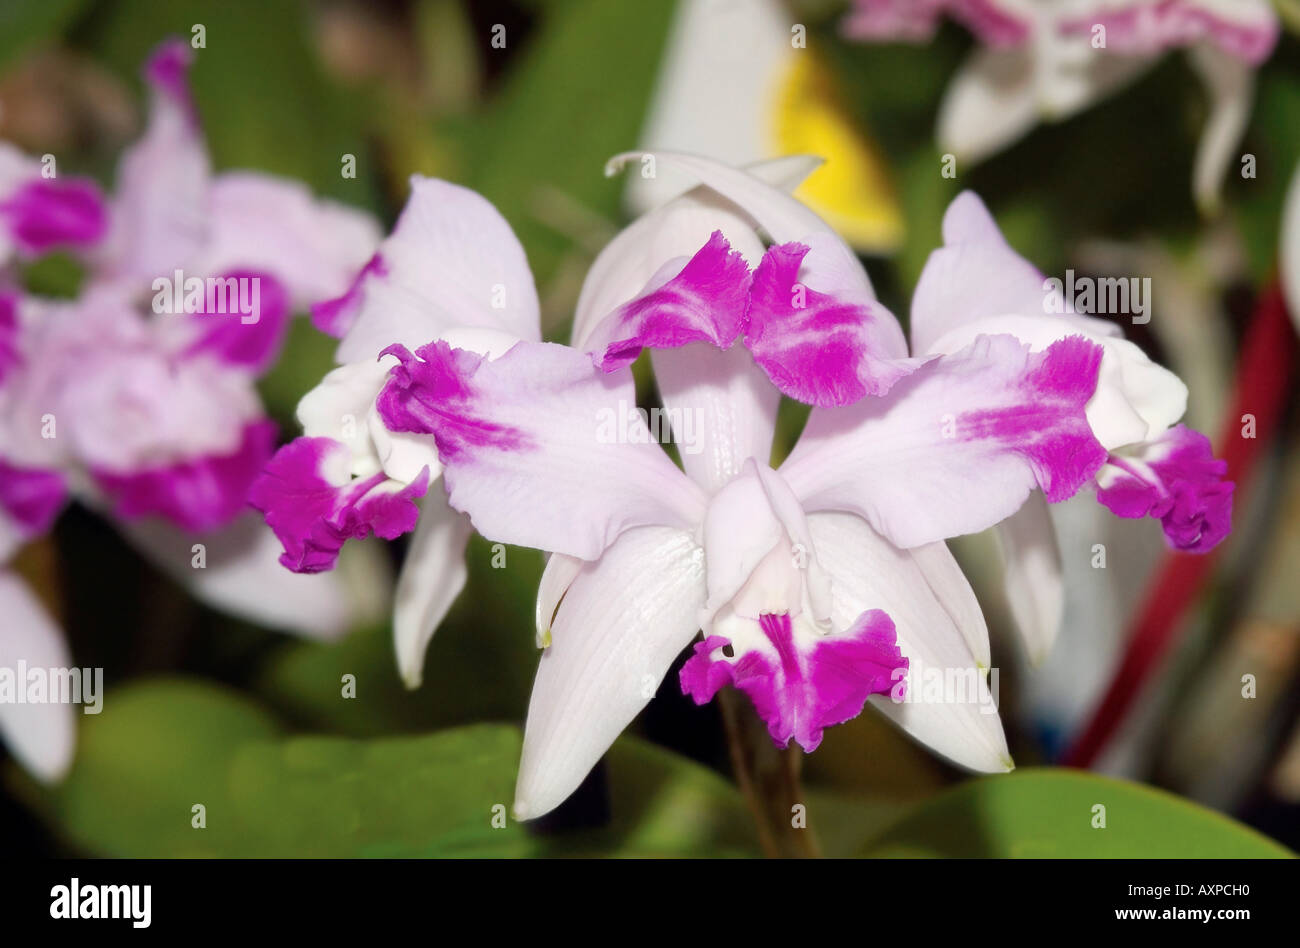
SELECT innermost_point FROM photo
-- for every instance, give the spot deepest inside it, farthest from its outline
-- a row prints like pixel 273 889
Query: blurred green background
pixel 251 724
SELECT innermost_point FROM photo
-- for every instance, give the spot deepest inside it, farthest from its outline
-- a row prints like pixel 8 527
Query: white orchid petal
pixel 623 621
pixel 41 736
pixel 1230 84
pixel 736 51
pixel 1033 575
pixel 1290 248
pixel 432 576
pixel 830 266
pixel 557 577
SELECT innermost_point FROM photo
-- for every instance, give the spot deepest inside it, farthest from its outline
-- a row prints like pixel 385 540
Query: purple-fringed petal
pixel 314 504
pixel 830 265
pixel 957 446
pixel 801 682
pixel 31 497
pixel 251 340
pixel 197 494
pixel 705 301
pixel 335 317
pixel 451 260
pixel 817 348
pixel 1246 29
pixel 44 215
pixel 976 284
pixel 1177 480
pixel 993 22
pixel 260 222
pixel 540 447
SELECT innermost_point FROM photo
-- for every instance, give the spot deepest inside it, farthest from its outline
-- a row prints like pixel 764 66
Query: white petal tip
pixel 619 162
pixel 520 810
pixel 1008 764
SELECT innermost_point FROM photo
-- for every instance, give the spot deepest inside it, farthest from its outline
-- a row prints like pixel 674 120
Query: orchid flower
pixel 820 584
pixel 153 418
pixel 1049 59
pixel 452 269
pixel 976 285
pixel 771 94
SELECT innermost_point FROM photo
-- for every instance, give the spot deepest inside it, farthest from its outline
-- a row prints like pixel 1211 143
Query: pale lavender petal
pixel 622 622
pixel 197 494
pixel 957 446
pixel 310 499
pixel 815 347
pixel 160 215
pixel 974 276
pixel 705 301
pixel 312 246
pixel 1176 479
pixel 540 448
pixel 451 260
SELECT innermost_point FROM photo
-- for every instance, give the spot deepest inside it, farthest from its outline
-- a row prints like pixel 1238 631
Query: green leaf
pixel 166 745
pixel 1049 813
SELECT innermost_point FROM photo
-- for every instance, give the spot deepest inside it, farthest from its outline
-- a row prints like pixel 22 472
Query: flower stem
pixel 769 778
